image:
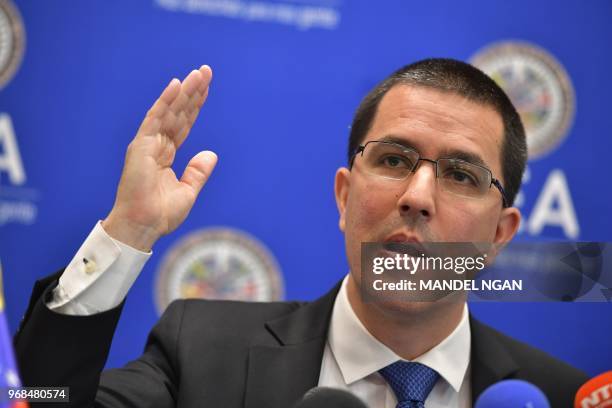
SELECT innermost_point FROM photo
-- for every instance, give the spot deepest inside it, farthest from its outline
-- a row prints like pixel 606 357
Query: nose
pixel 418 199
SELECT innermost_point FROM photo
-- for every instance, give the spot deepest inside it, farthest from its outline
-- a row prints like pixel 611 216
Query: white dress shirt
pixel 103 270
pixel 352 358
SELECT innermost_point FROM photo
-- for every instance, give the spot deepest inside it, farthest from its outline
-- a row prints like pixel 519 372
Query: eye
pixel 394 161
pixel 460 176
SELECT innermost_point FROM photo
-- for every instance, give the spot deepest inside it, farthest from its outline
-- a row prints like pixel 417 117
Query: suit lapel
pixel 491 361
pixel 286 362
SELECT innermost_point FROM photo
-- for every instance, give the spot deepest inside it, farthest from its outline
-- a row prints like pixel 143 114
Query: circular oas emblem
pixel 539 88
pixel 12 41
pixel 218 263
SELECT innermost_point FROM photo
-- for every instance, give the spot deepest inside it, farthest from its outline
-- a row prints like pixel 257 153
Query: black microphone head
pixel 326 397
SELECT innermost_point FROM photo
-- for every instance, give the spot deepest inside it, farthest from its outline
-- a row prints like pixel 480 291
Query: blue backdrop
pixel 287 79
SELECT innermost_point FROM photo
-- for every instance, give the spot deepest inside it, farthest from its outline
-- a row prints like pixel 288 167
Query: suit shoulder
pixel 537 365
pixel 229 315
pixel 236 306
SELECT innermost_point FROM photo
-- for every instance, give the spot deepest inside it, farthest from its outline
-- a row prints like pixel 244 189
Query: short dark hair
pixel 458 77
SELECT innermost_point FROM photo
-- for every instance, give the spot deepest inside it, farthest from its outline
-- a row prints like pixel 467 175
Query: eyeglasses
pixel 396 162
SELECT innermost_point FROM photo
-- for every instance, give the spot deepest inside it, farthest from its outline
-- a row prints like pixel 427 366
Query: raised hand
pixel 151 201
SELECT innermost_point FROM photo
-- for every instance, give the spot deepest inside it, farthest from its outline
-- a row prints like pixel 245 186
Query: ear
pixel 507 226
pixel 342 184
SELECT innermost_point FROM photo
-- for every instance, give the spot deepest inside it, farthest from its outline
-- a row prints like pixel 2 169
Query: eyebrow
pixel 446 154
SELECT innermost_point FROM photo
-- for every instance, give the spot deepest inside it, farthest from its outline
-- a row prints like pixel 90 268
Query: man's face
pixel 436 124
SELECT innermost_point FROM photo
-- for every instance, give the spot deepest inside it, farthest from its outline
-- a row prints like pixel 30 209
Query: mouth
pixel 404 244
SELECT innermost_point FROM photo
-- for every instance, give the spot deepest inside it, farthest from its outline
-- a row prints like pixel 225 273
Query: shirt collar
pixel 360 354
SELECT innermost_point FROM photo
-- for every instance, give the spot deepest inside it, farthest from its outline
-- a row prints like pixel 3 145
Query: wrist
pixel 136 236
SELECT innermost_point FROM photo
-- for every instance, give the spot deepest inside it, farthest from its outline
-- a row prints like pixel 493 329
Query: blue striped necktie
pixel 411 382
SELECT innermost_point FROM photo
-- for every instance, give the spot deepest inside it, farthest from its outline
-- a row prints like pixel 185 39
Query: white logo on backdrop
pixel 304 14
pixel 12 41
pixel 16 200
pixel 542 93
pixel 538 86
pixel 553 208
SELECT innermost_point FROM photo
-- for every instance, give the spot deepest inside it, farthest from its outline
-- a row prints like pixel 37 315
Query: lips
pixel 401 237
pixel 404 244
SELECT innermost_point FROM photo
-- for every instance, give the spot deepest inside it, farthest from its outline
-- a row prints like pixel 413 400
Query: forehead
pixel 437 122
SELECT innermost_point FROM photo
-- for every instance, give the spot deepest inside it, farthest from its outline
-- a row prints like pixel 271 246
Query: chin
pixel 402 310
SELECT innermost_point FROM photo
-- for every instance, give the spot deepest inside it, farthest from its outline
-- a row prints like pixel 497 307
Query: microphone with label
pixel 326 397
pixel 595 393
pixel 512 394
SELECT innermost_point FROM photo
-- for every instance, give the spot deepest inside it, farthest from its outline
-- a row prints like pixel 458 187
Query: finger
pixel 198 171
pixel 167 97
pixel 206 72
pixel 196 99
pixel 176 122
pixel 177 108
pixel 203 91
pixel 151 123
pixel 184 123
pixel 171 91
pixel 185 109
pixel 190 85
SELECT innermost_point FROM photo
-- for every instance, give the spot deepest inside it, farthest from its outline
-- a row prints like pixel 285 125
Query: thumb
pixel 198 170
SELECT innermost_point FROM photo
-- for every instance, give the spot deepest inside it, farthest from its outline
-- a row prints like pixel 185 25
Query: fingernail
pixel 211 157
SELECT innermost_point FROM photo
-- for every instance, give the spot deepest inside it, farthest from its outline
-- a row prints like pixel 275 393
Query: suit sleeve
pixel 54 349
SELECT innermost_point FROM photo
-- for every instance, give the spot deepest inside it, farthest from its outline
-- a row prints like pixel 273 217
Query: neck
pixel 410 329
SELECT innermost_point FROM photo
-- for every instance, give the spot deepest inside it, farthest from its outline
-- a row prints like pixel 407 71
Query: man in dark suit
pixel 436 154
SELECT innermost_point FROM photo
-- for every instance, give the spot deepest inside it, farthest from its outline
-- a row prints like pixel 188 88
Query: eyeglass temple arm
pixel 497 184
pixel 358 150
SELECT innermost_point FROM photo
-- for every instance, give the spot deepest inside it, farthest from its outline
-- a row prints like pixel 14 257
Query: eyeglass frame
pixel 494 182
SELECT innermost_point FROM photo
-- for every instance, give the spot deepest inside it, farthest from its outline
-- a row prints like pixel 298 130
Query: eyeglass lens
pixel 393 161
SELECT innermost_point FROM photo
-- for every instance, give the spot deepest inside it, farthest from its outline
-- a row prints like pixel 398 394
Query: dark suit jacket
pixel 232 354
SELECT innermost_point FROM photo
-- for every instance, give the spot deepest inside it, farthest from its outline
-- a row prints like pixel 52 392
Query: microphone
pixel 595 393
pixel 326 397
pixel 512 394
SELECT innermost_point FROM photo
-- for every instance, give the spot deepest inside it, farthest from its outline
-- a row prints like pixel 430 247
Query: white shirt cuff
pixel 99 276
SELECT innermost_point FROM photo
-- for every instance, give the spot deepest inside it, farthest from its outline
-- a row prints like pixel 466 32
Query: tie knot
pixel 411 382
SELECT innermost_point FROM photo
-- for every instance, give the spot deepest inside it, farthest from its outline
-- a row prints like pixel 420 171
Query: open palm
pixel 151 201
